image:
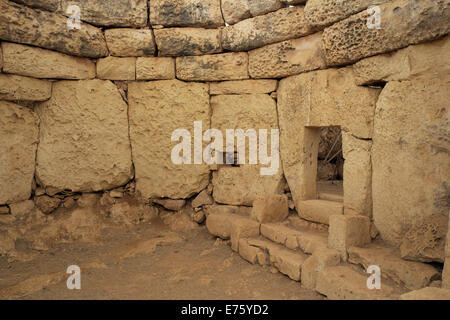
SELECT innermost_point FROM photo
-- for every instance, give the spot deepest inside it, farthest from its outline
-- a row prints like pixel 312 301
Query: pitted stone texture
pixel 284 24
pixel 18 88
pixel 425 241
pixel 155 68
pixel 113 68
pixel 412 62
pixel 186 13
pixel 235 10
pixel 50 5
pixel 319 99
pixel 243 87
pixel 125 42
pixel 403 22
pixel 260 7
pixel 322 13
pixel 40 63
pixel 410 144
pixel 156 110
pixel 187 41
pixel 49 30
pixel 19 131
pixel 84 144
pixel 110 13
pixel 218 67
pixel 287 58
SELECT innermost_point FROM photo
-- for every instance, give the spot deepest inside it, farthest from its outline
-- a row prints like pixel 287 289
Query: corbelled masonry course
pixel 49 30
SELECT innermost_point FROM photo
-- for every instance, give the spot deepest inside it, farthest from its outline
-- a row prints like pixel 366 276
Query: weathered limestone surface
pixel 49 30
pixel 322 13
pixel 348 231
pixel 155 68
pixel 260 7
pixel 320 260
pixel 426 239
pixel 219 224
pixel 243 227
pixel 240 185
pixel 403 22
pixel 19 131
pixel 50 5
pixel 287 58
pixel 235 10
pixel 410 144
pixel 110 13
pixel 187 41
pixel 319 98
pixel 427 59
pixel 284 24
pixel 270 208
pixel 343 283
pixel 218 67
pixel 413 275
pixel 428 293
pixel 113 68
pixel 15 88
pixel 243 87
pixel 41 63
pixel 156 110
pixel 84 144
pixel 124 42
pixel 186 13
pixel 358 175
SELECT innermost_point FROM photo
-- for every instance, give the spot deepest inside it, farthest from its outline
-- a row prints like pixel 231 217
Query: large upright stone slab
pixel 19 130
pixel 415 61
pixel 40 63
pixel 110 13
pixel 284 24
pixel 319 99
pixel 287 58
pixel 403 22
pixel 187 41
pixel 157 109
pixel 322 13
pixel 216 67
pixel 49 30
pixel 240 185
pixel 410 155
pixel 84 144
pixel 186 13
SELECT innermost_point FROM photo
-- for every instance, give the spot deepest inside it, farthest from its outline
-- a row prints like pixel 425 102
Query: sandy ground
pixel 147 262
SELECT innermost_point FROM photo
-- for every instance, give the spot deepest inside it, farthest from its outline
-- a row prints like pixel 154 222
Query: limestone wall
pixel 92 109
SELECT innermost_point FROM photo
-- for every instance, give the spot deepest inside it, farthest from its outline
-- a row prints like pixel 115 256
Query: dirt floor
pixel 150 261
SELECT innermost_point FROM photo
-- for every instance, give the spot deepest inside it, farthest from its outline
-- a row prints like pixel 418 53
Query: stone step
pixel 346 283
pixel 319 210
pixel 413 275
pixel 330 190
pixel 303 239
pixel 265 252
